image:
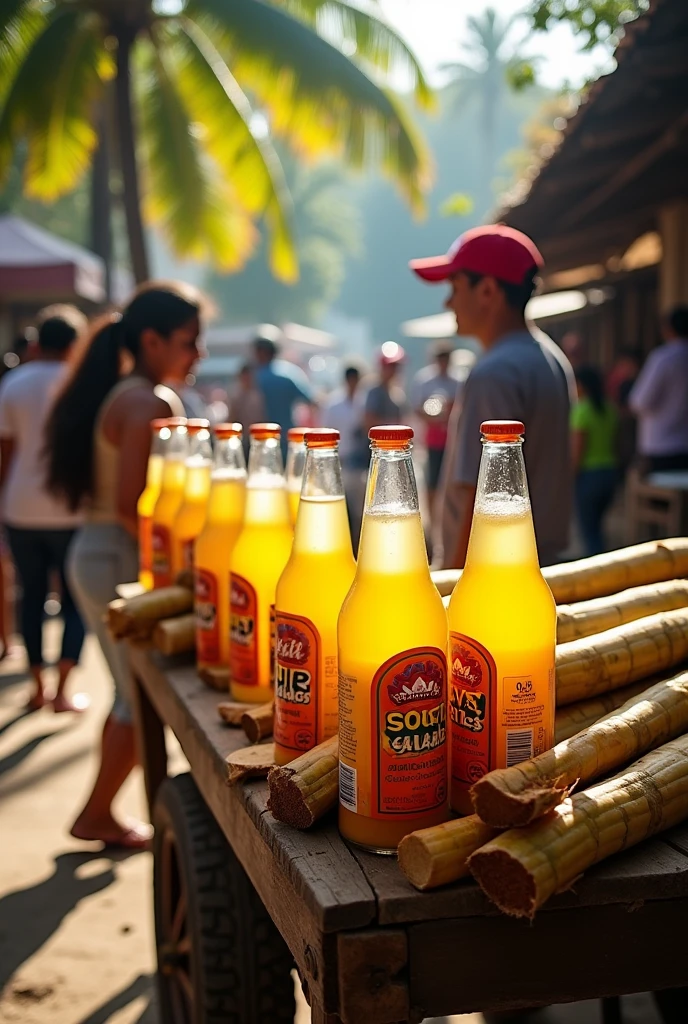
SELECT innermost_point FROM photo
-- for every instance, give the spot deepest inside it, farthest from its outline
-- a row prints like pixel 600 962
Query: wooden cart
pixel 369 949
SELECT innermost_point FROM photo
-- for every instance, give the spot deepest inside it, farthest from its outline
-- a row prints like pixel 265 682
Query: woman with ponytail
pixel 98 440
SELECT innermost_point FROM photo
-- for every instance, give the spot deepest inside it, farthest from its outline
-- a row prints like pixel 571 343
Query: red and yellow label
pixel 161 544
pixel 409 738
pixel 243 631
pixel 472 696
pixel 188 553
pixel 207 625
pixel 296 682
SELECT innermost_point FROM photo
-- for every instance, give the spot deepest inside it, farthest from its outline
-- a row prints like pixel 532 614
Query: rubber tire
pixel 240 965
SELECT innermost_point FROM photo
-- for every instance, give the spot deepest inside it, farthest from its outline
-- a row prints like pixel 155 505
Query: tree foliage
pixel 595 21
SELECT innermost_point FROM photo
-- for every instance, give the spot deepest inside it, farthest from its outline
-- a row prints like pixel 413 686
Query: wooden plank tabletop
pixel 345 888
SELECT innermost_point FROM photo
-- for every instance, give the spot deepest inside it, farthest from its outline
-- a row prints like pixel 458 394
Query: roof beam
pixel 628 172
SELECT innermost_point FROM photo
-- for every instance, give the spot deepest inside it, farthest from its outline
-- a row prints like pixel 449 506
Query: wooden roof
pixel 622 155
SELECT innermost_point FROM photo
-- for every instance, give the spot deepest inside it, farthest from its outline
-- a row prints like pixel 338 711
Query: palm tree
pixel 169 77
pixel 483 82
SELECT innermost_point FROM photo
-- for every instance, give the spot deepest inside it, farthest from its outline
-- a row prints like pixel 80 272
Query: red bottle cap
pixel 177 421
pixel 399 433
pixel 157 425
pixel 502 430
pixel 225 430
pixel 262 431
pixel 295 435
pixel 321 437
pixel 196 426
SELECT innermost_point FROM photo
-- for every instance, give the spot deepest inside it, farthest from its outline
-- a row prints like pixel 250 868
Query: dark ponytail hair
pixel 590 379
pixel 160 305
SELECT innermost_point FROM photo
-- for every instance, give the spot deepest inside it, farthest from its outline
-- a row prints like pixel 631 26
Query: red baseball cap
pixel 493 250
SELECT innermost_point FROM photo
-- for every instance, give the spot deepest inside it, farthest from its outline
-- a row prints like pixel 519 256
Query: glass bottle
pixel 160 431
pixel 296 462
pixel 169 501
pixel 190 518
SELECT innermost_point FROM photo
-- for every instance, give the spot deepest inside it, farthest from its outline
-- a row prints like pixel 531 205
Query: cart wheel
pixel 220 958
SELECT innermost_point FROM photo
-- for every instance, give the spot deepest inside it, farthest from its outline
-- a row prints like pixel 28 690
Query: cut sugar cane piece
pixel 231 712
pixel 520 869
pixel 575 717
pixel 140 614
pixel 619 656
pixel 652 562
pixel 257 721
pixel 304 790
pixel 176 636
pixel 439 854
pixel 511 797
pixel 250 762
pixel 609 573
pixel 215 678
pixel 602 613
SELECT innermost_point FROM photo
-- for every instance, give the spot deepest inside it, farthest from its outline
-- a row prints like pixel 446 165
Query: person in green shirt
pixel 594 426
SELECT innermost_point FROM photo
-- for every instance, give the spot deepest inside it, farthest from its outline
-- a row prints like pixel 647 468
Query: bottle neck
pixel 392 539
pixel 266 490
pixel 296 462
pixel 322 524
pixel 502 509
pixel 177 447
pixel 228 482
pixel 160 441
pixel 265 462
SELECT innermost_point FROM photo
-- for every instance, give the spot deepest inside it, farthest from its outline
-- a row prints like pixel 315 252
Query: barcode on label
pixel 347 787
pixel 519 746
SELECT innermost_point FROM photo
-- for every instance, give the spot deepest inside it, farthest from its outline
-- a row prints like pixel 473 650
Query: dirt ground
pixel 76 937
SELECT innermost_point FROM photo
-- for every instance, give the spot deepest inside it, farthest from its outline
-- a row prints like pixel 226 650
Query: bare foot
pixel 36 702
pixel 78 703
pixel 133 835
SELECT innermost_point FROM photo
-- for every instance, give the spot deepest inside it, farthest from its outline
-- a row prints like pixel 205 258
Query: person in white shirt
pixel 344 412
pixel 659 398
pixel 40 527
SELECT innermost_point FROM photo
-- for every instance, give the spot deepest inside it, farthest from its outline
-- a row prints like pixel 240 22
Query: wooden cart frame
pixel 369 949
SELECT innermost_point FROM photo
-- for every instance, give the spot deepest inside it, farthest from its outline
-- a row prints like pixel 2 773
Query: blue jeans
pixel 594 494
pixel 35 554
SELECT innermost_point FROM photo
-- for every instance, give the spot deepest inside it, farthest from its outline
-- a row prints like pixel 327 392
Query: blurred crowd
pixel 77 400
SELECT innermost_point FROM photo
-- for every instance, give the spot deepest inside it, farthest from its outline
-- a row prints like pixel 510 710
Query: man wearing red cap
pixel 521 375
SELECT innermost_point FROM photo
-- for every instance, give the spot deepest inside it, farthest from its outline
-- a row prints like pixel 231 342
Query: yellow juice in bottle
pixel 190 518
pixel 259 556
pixel 392 665
pixel 502 622
pixel 215 544
pixel 296 462
pixel 309 597
pixel 146 503
pixel 168 503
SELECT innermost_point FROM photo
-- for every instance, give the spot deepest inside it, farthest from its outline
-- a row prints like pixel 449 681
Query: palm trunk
pixel 127 155
pixel 101 203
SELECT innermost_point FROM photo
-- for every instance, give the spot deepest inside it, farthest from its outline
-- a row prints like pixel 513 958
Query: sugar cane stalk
pixel 520 869
pixel 176 636
pixel 301 792
pixel 257 721
pixel 588 617
pixel 439 854
pixel 510 797
pixel 138 615
pixel 575 717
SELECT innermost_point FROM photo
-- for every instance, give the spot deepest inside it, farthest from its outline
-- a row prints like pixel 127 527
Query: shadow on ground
pixel 144 985
pixel 43 907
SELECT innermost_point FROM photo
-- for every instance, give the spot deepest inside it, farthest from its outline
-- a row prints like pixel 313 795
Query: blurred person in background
pixel 492 272
pixel 659 398
pixel 282 384
pixel 218 409
pixel 40 527
pixel 344 412
pixel 246 403
pixel 573 348
pixel 385 401
pixel 98 440
pixel 594 430
pixel 619 384
pixel 435 389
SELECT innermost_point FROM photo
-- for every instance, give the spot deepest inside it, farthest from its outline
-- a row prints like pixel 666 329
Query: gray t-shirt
pixel 386 406
pixel 520 378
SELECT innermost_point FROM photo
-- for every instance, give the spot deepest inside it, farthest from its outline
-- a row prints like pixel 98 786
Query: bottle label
pixel 273 642
pixel 161 542
pixel 145 544
pixel 472 683
pixel 296 683
pixel 207 625
pixel 243 631
pixel 409 742
pixel 188 554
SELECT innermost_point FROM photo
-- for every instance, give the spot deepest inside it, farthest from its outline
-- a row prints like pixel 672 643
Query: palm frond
pixel 184 190
pixel 20 23
pixel 50 104
pixel 318 100
pixel 360 30
pixel 215 101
